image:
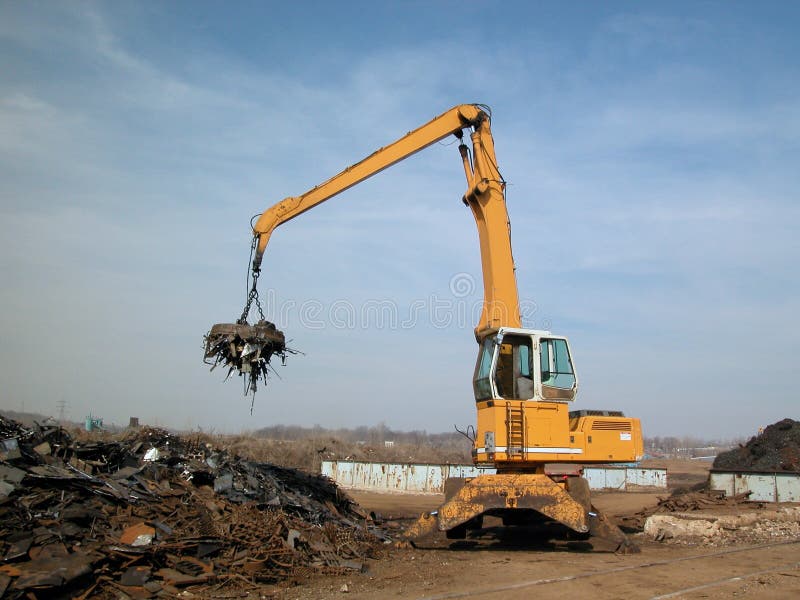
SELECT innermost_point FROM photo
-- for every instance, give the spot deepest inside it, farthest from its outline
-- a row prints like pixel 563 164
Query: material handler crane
pixel 524 379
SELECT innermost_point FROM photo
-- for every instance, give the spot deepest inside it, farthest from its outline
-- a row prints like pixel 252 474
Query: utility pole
pixel 62 406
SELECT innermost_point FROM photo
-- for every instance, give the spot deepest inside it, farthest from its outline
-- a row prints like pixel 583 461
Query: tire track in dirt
pixel 630 582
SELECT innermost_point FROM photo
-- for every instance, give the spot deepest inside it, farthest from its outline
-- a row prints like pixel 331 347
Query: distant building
pixel 93 423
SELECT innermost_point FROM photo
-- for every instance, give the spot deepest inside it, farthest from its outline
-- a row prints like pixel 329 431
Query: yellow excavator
pixel 524 379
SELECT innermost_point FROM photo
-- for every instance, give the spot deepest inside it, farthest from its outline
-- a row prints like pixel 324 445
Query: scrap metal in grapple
pixel 246 349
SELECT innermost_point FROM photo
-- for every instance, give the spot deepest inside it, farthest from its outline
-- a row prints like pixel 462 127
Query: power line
pixel 62 407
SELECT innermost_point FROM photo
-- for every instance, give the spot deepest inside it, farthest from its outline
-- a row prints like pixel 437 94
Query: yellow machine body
pixel 524 382
pixel 525 432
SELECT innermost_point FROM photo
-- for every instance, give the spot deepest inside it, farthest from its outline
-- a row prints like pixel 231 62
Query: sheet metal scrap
pixel 196 518
pixel 246 349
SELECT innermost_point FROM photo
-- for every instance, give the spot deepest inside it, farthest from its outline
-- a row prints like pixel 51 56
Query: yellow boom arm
pixel 485 197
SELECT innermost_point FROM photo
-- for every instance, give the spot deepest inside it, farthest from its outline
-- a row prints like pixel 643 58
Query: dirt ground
pixel 502 565
pixel 526 572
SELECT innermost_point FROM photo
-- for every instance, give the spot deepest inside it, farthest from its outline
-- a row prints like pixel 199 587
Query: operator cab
pixel 524 364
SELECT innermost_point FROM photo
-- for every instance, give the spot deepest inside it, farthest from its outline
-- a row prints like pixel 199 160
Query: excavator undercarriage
pixel 520 500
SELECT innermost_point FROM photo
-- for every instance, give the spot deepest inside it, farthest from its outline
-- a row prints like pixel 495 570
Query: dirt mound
pixel 777 448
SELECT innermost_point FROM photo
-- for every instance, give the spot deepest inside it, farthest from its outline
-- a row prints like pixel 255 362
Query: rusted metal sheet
pixel 430 478
pixel 434 478
pixel 466 471
pixel 396 477
pixel 762 487
pixel 624 479
pixel 636 477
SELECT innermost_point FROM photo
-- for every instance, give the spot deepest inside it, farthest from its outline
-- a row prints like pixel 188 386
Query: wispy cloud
pixel 653 203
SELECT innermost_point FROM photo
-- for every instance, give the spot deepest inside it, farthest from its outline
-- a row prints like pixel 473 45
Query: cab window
pixel 482 381
pixel 556 365
pixel 513 374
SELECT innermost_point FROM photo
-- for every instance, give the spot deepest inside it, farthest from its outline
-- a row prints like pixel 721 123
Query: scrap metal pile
pixel 776 449
pixel 154 514
pixel 245 349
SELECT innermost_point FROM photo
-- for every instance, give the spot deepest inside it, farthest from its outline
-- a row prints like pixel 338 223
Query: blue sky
pixel 651 151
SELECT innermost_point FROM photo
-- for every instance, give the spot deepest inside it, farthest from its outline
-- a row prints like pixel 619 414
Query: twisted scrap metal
pixel 245 349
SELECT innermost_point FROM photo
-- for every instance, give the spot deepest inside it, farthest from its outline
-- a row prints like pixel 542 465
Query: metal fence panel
pixel 788 488
pixel 635 476
pixel 361 475
pixel 596 478
pixel 467 471
pixel 399 478
pixel 425 478
pixel 435 478
pixel 723 482
pixel 328 469
pixel 612 479
pixel 763 487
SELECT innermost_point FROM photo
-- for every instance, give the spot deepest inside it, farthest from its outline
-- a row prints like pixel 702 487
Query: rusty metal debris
pixel 245 349
pixel 775 449
pixel 682 501
pixel 94 519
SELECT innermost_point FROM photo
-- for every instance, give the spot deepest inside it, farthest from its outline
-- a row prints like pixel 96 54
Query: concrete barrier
pixel 763 487
pixel 430 478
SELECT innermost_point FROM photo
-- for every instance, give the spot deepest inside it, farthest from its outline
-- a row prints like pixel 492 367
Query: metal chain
pixel 253 293
pixel 252 296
